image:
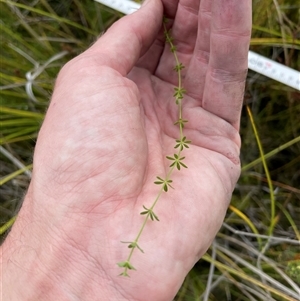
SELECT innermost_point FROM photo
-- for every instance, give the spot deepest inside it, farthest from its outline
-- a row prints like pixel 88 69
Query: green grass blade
pixel 271 154
pixel 21 113
pixel 7 225
pixel 272 197
pixel 14 174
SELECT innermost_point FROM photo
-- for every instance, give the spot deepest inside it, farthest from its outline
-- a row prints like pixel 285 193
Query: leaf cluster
pixel 182 143
pixel 164 182
pixel 150 213
pixel 177 161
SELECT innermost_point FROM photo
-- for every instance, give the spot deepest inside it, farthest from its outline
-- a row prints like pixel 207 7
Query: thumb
pixel 129 38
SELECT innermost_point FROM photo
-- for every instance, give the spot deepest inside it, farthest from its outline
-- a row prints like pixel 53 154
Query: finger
pixel 184 29
pixel 152 57
pixel 170 8
pixel 128 39
pixel 184 33
pixel 195 74
pixel 228 62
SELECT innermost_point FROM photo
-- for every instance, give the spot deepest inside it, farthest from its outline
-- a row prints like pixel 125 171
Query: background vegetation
pixel 256 255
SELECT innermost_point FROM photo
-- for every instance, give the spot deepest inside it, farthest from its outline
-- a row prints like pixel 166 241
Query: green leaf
pixel 132 245
pixel 182 164
pixel 152 216
pixel 161 181
pixel 135 245
pixel 165 183
pixel 173 164
pixel 181 122
pixel 179 93
pixel 126 265
pixel 170 158
pixel 168 37
pixel 177 161
pixel 122 264
pixel 130 266
pixel 145 212
pixel 182 143
pixel 155 216
pixel 179 66
pixel 125 274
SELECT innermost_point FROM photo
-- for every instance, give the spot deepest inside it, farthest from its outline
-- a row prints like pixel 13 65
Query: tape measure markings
pixel 274 70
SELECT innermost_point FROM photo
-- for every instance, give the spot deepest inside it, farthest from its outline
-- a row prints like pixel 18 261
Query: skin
pixel 107 131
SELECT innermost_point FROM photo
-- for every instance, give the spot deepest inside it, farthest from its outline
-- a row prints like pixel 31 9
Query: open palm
pixel 109 128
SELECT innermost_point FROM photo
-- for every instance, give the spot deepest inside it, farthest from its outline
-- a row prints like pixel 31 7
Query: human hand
pixel 104 140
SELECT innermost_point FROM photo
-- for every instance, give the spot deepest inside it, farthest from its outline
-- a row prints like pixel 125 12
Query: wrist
pixel 40 265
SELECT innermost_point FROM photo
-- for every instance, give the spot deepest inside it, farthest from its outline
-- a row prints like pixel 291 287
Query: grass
pixel 256 254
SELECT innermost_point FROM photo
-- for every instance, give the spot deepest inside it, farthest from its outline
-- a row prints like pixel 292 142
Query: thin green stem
pixel 172 46
pixel 176 162
pixel 177 63
pixel 270 184
pixel 271 153
pixel 7 225
pixel 180 117
pixel 144 224
pixel 146 219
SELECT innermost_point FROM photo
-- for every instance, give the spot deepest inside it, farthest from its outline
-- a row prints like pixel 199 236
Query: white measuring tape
pixel 124 6
pixel 256 62
pixel 274 70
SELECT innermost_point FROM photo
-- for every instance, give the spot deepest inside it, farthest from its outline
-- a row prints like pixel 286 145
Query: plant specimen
pixel 176 160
